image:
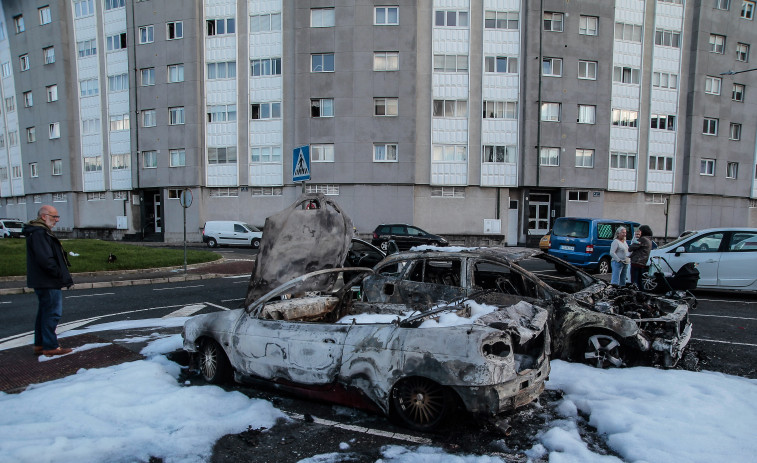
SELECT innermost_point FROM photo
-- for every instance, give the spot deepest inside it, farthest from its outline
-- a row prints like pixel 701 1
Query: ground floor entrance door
pixel 538 213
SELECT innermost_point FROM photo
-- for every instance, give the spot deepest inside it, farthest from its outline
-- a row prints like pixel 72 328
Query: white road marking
pixel 90 295
pixel 720 316
pixel 726 342
pixel 177 287
pixel 364 430
pixel 217 306
pixel 237 276
pixel 185 311
pixel 5 302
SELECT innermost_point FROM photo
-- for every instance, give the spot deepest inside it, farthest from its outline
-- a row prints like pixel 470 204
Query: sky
pixel 139 409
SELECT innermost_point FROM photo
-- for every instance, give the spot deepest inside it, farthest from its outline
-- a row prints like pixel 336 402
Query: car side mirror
pixel 680 250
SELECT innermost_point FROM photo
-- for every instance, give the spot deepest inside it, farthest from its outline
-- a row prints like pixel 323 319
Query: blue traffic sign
pixel 301 164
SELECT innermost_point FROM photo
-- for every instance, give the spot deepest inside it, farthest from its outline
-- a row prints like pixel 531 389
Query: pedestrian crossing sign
pixel 301 164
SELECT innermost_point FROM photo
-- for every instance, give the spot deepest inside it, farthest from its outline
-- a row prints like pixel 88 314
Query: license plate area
pixel 565 247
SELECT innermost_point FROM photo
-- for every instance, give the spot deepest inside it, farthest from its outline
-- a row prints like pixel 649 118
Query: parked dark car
pixel 585 242
pixel 406 236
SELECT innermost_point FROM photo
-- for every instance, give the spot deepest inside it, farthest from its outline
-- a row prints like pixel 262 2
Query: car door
pixel 416 237
pixel 738 264
pixel 431 280
pixel 704 251
pixel 398 233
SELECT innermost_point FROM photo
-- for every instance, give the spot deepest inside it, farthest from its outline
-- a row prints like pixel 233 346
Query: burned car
pixel 416 364
pixel 590 321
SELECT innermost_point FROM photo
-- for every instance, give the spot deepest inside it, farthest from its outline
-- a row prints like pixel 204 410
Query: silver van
pixel 11 228
pixel 218 232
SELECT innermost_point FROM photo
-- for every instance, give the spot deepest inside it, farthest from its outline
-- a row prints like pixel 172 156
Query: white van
pixel 11 228
pixel 218 232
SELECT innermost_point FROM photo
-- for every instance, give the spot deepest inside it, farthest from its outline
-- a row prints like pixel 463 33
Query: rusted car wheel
pixel 421 404
pixel 603 351
pixel 214 366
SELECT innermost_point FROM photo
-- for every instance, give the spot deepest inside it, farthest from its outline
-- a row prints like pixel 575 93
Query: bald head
pixel 49 215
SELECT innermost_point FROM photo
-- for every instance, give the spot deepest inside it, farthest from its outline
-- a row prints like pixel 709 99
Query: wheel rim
pixel 209 361
pixel 648 283
pixel 255 244
pixel 421 402
pixel 603 351
pixel 384 245
pixel 604 266
pixel 212 243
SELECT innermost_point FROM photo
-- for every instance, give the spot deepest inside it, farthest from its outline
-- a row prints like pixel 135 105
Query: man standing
pixel 46 272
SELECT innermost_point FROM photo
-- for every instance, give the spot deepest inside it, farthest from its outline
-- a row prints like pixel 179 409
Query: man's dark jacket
pixel 46 261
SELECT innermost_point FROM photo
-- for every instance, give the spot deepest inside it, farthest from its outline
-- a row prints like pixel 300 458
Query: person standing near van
pixel 620 257
pixel 640 253
pixel 46 272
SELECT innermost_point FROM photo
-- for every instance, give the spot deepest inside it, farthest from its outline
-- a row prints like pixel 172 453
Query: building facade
pixel 481 120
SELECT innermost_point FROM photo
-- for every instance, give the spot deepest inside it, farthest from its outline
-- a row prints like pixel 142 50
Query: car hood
pixel 311 234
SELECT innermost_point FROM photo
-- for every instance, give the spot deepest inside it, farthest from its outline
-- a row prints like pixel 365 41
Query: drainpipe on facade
pixel 140 194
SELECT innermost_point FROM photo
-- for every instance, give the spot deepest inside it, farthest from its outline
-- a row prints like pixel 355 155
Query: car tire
pixel 213 364
pixel 255 243
pixel 602 350
pixel 384 246
pixel 421 404
pixel 212 243
pixel 604 266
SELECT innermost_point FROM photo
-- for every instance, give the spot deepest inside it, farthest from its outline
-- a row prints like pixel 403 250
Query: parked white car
pixel 725 257
pixel 218 232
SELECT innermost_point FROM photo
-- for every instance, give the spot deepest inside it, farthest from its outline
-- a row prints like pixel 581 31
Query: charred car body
pixel 591 321
pixel 314 336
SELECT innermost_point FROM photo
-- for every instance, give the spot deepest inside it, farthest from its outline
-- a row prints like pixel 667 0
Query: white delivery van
pixel 11 228
pixel 218 232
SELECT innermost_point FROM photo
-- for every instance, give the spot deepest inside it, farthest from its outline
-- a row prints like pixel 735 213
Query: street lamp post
pixel 730 73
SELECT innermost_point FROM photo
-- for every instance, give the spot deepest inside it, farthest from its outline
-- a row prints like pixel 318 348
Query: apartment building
pixel 481 120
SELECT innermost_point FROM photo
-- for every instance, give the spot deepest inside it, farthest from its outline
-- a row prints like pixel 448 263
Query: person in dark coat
pixel 46 272
pixel 640 254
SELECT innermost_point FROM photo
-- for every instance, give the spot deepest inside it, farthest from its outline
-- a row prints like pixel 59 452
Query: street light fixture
pixel 730 73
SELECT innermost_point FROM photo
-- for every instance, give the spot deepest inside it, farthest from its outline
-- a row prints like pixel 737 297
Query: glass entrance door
pixel 538 214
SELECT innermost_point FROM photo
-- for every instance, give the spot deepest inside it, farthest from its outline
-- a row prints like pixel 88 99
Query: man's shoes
pixel 38 350
pixel 57 351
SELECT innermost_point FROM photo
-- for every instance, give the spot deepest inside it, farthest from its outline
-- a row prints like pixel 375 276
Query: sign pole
pixel 185 199
pixel 185 239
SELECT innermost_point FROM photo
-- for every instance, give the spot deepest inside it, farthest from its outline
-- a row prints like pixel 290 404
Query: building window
pixel 386 61
pixel 13 138
pixel 549 157
pixel 18 23
pixel 28 100
pixel 501 154
pixel 93 164
pixel 661 163
pixel 450 63
pixel 146 34
pixel 626 75
pixel 83 8
pixel 16 173
pixel 265 154
pixel 59 197
pixel 322 107
pixel 628 32
pixel 386 16
pixel 90 126
pixel 712 85
pixel 664 80
pixel 265 22
pixel 666 38
pixel 222 113
pixel 174 30
pixel 119 161
pixel 177 157
pixel 742 52
pixel 222 70
pixel 33 170
pixel 176 115
pixel 265 67
pixel 550 112
pixel 44 15
pixel 501 64
pixel 722 4
pixel 587 70
pixel 622 160
pixel 662 122
pixel 386 106
pixel 451 18
pixel 175 73
pixel 747 12
pixel 174 193
pixel 587 114
pixel 116 42
pixel 707 167
pixel 578 196
pixel 86 48
pixel 501 110
pixel 121 195
pixel 710 126
pixel 119 122
pixel 222 155
pixel 507 20
pixel 54 130
pixel 49 55
pixel 113 4
pixel 223 192
pixel 89 87
pixel 149 118
pixel 448 192
pixel 56 167
pixel 717 43
pixel 450 108
pixel 321 17
pixel 737 94
pixel 735 132
pixel 220 26
pixel 588 25
pixel 384 152
pixel 37 198
pixel 118 83
pixel 23 62
pixel 147 76
pixel 52 93
pixel 150 159
pixel 449 153
pixel 265 111
pixel 551 67
pixel 10 104
pixel 732 169
pixel 31 134
pixel 6 69
pixel 322 153
pixel 322 62
pixel 553 21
